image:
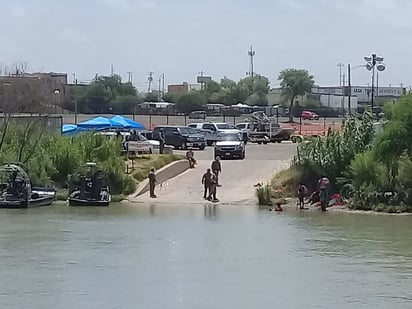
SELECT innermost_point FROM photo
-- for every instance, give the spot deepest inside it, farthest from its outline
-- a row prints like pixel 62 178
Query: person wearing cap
pixel 217 169
pixel 207 182
pixel 152 182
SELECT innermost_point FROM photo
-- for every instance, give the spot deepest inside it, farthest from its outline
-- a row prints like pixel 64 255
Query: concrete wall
pixel 168 172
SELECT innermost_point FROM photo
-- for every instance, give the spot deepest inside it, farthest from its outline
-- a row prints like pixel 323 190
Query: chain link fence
pixel 48 123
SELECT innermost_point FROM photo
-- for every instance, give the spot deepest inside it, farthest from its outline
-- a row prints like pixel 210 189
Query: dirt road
pixel 238 176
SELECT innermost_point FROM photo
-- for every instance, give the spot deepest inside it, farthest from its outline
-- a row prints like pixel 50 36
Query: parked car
pixel 180 137
pixel 210 130
pixel 230 144
pixel 197 115
pixel 308 115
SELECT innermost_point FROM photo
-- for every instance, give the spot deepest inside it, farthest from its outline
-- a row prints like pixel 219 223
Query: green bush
pixel 264 195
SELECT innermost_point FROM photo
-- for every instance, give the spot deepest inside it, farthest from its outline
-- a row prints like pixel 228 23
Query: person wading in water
pixel 217 169
pixel 206 182
pixel 152 183
pixel 323 186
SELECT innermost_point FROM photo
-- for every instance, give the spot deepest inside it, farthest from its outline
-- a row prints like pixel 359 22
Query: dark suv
pixel 180 137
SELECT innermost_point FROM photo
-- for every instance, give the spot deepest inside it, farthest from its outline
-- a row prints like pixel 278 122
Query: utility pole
pixel 150 79
pixel 251 54
pixel 112 70
pixel 130 77
pixel 349 91
pixel 163 85
pixel 340 65
pixel 343 96
pixel 201 80
pixel 159 93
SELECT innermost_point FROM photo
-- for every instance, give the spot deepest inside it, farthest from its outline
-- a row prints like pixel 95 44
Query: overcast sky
pixel 182 37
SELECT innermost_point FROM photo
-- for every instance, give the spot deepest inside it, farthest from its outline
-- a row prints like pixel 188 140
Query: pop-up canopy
pixel 99 123
pixel 127 123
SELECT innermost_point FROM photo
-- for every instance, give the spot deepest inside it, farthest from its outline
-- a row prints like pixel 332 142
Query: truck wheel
pixel 209 143
pixel 259 142
pixel 202 147
pixel 265 143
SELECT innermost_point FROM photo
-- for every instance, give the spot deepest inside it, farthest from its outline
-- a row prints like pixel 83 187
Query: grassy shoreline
pixel 283 186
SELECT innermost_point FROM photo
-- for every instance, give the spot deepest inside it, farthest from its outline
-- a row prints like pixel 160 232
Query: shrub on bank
pixel 264 195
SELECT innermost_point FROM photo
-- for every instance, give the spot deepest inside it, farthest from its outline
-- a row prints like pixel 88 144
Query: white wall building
pixel 339 102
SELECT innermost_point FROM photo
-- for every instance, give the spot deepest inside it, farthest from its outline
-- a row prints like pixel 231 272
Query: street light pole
pixel 372 62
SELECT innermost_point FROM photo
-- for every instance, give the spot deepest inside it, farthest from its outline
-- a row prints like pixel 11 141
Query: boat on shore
pixel 90 189
pixel 16 190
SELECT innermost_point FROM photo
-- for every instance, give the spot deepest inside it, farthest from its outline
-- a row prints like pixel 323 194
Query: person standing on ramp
pixel 207 182
pixel 217 169
pixel 152 183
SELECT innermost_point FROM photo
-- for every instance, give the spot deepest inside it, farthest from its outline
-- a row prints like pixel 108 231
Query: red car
pixel 308 115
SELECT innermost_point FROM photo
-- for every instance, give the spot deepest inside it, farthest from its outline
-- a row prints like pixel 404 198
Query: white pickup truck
pixel 210 130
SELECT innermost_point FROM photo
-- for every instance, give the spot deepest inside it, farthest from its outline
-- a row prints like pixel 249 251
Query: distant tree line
pixel 107 94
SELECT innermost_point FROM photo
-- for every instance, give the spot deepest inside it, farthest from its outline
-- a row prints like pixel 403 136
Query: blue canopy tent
pixel 127 123
pixel 71 129
pixel 100 123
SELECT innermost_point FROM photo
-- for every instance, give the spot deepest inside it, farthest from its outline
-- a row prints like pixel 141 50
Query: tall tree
pixel 227 83
pixel 255 84
pixel 295 83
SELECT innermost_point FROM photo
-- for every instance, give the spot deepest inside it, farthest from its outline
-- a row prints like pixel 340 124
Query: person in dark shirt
pixel 206 182
pixel 217 169
pixel 152 183
pixel 212 192
pixel 162 141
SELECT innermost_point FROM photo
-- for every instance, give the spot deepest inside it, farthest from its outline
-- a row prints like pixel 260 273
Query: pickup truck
pixel 230 144
pixel 210 130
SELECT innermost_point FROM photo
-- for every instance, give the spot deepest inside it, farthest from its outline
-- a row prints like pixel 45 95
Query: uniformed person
pixel 217 169
pixel 206 182
pixel 152 182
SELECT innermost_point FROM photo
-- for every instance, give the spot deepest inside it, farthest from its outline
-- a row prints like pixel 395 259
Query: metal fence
pixel 52 124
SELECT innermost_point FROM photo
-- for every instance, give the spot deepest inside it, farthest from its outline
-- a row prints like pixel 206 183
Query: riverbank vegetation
pixel 51 159
pixel 373 171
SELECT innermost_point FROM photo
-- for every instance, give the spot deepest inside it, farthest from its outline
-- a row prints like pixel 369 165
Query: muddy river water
pixel 200 256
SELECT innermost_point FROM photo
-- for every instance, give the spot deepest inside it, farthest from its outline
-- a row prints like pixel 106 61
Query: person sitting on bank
pixel 190 156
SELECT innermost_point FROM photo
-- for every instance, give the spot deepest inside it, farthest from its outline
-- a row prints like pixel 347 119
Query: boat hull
pixel 87 203
pixel 32 203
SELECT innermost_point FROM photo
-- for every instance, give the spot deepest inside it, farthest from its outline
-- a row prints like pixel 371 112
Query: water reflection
pixel 210 211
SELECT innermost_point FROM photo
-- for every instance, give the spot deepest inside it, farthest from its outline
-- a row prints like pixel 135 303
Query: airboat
pixel 90 188
pixel 16 189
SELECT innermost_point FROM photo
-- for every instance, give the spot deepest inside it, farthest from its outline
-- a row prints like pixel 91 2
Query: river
pixel 173 256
